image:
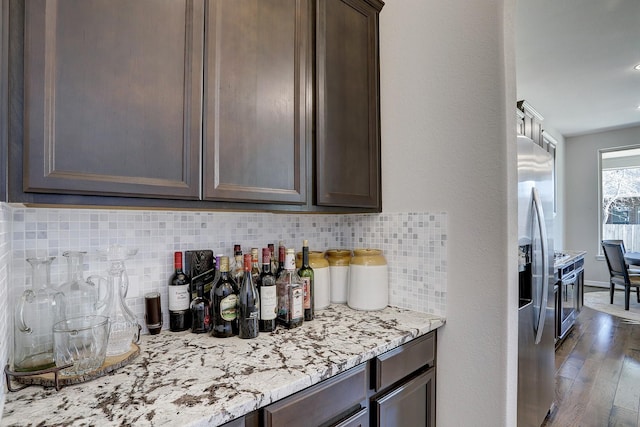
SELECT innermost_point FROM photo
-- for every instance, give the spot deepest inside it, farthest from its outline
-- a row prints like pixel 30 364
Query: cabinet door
pixel 257 100
pixel 113 97
pixel 337 398
pixel 348 112
pixel 410 404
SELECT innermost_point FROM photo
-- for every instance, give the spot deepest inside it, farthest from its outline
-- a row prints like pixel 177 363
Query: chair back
pixel 614 253
pixel 616 241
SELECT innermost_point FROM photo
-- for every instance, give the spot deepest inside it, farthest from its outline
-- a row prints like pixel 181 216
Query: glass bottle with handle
pixel 81 296
pixel 37 310
pixel 124 327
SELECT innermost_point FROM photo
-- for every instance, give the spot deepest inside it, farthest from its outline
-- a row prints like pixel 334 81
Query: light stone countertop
pixel 572 257
pixel 191 379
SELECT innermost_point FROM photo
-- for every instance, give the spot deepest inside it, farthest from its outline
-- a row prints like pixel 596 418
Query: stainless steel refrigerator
pixel 536 365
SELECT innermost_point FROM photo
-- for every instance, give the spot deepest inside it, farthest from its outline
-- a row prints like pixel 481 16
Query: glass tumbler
pixel 81 341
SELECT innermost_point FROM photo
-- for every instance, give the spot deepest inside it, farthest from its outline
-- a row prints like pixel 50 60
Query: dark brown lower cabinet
pixel 328 403
pixel 395 389
pixel 410 404
pixel 403 385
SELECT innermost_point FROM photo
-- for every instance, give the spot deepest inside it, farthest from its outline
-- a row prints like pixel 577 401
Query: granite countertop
pixel 571 256
pixel 189 379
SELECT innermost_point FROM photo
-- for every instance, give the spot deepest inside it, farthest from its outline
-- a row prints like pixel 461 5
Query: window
pixel 620 195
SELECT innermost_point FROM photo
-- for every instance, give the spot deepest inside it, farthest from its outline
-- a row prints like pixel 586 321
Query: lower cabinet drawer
pixel 410 404
pixel 394 365
pixel 359 419
pixel 249 420
pixel 332 399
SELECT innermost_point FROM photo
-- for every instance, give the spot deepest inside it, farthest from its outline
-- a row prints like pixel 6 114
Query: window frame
pixel 602 151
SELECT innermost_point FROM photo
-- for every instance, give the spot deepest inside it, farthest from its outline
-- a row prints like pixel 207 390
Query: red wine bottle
pixel 268 296
pixel 224 303
pixel 248 304
pixel 306 275
pixel 237 269
pixel 281 259
pixel 179 297
pixel 274 259
pixel 255 266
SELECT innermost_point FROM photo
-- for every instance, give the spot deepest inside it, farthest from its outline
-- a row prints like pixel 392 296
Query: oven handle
pixel 572 278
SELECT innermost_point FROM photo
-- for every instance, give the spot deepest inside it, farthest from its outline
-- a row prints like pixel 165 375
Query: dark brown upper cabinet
pixel 113 97
pixel 348 104
pixel 258 99
pixel 243 104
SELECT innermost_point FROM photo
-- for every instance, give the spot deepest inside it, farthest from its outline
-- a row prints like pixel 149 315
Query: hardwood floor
pixel 598 374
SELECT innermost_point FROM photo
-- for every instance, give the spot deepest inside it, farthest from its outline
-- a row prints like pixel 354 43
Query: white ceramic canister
pixel 321 280
pixel 339 274
pixel 368 280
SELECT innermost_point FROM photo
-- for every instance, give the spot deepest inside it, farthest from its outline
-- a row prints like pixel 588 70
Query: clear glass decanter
pixel 81 296
pixel 124 325
pixel 37 310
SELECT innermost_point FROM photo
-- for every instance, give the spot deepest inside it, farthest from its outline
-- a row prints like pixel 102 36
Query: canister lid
pixel 370 257
pixel 339 257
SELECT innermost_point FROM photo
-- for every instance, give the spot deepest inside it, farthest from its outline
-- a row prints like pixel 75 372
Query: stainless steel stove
pixel 569 289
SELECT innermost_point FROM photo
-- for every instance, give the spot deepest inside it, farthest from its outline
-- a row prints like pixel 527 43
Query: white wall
pixel 582 200
pixel 559 220
pixel 448 143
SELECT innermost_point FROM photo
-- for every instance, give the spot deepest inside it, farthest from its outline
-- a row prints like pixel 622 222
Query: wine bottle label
pixel 268 302
pixel 253 314
pixel 306 286
pixel 229 307
pixel 297 303
pixel 179 298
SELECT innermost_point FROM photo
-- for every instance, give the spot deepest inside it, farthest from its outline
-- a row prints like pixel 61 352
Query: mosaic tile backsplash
pixel 414 245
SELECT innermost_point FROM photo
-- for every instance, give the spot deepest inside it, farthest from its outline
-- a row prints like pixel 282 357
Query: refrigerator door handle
pixel 545 268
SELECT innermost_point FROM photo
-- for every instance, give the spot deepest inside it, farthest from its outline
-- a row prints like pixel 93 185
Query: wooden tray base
pixel 110 364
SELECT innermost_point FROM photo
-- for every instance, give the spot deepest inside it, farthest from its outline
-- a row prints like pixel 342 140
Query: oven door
pixel 568 301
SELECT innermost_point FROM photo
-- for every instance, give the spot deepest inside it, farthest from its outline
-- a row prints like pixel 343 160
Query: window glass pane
pixel 620 196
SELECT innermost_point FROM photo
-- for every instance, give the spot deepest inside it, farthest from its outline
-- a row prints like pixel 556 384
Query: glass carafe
pixel 81 296
pixel 124 325
pixel 37 310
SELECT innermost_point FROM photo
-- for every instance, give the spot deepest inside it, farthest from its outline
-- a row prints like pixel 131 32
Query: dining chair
pixel 619 272
pixel 624 250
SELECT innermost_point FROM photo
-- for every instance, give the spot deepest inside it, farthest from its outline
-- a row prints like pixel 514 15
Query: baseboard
pixel 595 284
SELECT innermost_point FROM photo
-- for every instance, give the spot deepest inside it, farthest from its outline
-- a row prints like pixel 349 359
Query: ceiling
pixel 575 63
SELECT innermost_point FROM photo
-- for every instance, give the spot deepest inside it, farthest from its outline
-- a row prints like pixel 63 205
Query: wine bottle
pixel 281 260
pixel 217 273
pixel 179 297
pixel 237 270
pixel 248 304
pixel 306 275
pixel 290 294
pixel 224 303
pixel 267 292
pixel 274 259
pixel 200 307
pixel 255 267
